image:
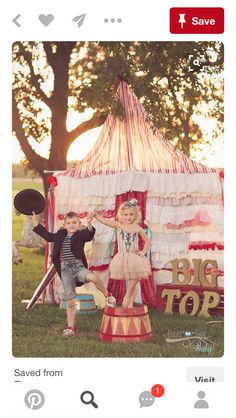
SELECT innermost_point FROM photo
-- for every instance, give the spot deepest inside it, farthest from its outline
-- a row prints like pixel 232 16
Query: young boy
pixel 70 261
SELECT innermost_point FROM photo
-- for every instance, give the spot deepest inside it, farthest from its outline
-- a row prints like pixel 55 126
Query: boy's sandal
pixel 68 332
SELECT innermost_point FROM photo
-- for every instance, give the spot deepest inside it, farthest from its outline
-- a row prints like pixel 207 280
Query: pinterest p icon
pixel 34 399
pixel 158 391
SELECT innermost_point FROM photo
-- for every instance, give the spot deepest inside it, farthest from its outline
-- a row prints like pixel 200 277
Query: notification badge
pixel 157 391
pixel 197 20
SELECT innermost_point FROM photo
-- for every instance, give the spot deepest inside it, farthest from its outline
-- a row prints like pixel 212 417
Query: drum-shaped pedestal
pixel 125 324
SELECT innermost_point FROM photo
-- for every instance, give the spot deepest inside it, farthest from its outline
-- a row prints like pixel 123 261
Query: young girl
pixel 129 263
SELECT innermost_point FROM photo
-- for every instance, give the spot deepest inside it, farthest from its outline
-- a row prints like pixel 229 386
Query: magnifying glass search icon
pixel 87 398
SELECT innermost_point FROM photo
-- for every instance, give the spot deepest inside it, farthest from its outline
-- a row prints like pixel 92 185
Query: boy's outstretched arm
pixel 88 233
pixel 41 231
pixel 35 219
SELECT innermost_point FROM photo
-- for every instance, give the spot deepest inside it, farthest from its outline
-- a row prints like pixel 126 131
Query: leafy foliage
pixel 163 75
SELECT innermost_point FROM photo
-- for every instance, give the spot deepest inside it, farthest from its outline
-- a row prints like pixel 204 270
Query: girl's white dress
pixel 127 264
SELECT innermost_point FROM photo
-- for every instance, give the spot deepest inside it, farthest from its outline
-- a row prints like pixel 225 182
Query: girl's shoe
pixel 68 332
pixel 110 300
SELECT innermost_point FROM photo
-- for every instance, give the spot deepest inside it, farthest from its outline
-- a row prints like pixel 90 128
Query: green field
pixel 39 333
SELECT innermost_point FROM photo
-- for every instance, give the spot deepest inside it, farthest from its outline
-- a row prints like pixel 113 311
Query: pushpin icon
pixel 182 19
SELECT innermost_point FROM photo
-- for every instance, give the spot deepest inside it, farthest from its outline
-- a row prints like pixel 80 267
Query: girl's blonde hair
pixel 127 205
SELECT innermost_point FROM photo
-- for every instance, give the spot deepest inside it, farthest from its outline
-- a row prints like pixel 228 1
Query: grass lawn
pixel 39 333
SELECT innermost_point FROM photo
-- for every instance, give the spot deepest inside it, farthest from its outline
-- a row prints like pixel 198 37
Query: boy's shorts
pixel 72 271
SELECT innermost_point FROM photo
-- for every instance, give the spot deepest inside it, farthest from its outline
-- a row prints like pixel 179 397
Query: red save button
pixel 197 20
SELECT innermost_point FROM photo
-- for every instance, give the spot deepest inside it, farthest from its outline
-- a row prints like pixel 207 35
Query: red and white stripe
pixel 131 144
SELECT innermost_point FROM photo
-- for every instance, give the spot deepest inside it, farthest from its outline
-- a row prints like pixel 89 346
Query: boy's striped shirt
pixel 66 253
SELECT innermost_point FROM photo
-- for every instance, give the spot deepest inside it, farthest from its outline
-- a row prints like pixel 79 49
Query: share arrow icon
pixel 79 19
pixel 15 20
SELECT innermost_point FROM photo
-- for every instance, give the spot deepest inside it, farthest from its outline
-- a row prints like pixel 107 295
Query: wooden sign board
pixel 190 300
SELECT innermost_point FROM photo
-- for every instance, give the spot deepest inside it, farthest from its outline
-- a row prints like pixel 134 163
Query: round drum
pixel 85 304
pixel 125 324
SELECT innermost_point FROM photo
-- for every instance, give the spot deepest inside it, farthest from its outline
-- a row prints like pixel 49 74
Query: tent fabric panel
pixel 132 143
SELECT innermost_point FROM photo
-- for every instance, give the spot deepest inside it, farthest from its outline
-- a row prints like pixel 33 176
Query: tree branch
pixel 38 162
pixel 35 79
pixel 94 122
pixel 50 56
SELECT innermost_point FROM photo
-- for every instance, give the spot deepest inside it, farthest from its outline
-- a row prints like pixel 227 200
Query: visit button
pixel 197 20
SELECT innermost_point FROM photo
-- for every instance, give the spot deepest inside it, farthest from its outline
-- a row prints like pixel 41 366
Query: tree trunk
pixel 61 139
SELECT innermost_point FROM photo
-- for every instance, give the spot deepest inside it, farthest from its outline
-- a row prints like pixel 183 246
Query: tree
pixel 51 78
pixel 30 98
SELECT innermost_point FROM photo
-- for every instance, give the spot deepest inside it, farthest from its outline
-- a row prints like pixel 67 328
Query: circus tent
pixel 181 201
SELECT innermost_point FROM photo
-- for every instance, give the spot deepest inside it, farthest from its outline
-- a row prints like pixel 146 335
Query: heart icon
pixel 46 19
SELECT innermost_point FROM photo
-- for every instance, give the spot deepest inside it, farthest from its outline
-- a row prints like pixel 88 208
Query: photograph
pixel 118 199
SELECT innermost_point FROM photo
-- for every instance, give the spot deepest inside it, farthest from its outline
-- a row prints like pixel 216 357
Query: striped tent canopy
pixel 133 144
